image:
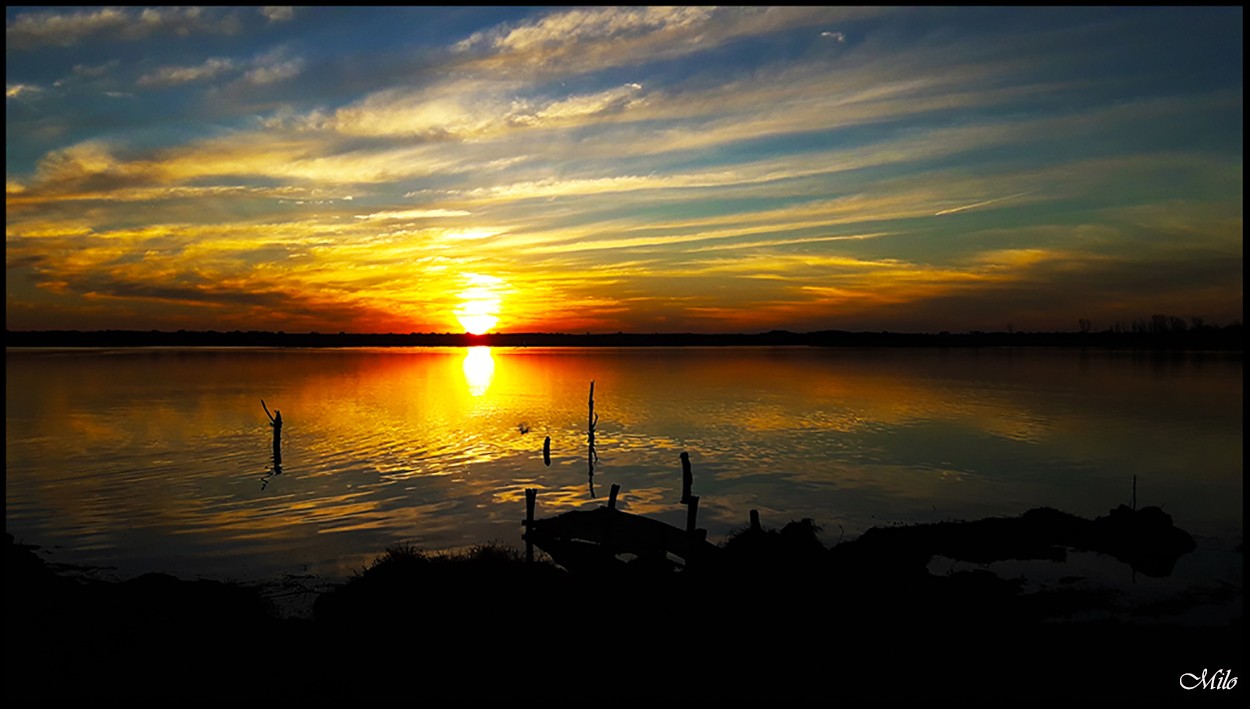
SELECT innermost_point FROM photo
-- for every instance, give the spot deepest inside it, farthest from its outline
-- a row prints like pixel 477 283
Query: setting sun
pixel 480 303
pixel 476 323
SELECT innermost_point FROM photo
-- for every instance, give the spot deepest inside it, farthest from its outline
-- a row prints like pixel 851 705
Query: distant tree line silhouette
pixel 1159 324
pixel 1157 331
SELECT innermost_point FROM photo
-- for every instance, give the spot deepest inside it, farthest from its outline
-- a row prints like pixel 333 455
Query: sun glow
pixel 480 304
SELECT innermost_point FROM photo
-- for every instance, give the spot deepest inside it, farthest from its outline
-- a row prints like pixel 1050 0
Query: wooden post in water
pixel 592 420
pixel 275 421
pixel 755 520
pixel 531 494
pixel 547 451
pixel 612 496
pixel 687 478
pixel 690 501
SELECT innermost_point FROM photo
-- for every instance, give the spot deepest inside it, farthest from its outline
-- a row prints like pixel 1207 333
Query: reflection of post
pixel 531 494
pixel 275 421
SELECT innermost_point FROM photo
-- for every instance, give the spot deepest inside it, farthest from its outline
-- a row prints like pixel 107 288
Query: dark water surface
pixel 160 459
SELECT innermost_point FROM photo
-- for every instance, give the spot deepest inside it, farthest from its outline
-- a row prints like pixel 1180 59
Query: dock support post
pixel 612 496
pixel 692 512
pixel 755 520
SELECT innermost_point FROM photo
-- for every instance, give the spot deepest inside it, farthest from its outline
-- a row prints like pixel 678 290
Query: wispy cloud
pixel 278 13
pixel 29 30
pixel 595 38
pixel 265 69
pixel 173 75
pixel 94 70
pixel 577 107
pixel 473 109
pixel 587 25
pixel 12 91
pixel 76 162
pixel 983 203
pixel 274 70
pixel 413 214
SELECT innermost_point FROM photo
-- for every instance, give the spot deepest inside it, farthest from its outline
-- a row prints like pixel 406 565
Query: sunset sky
pixel 601 169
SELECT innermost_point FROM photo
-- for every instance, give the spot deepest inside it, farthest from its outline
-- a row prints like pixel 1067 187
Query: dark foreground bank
pixel 778 618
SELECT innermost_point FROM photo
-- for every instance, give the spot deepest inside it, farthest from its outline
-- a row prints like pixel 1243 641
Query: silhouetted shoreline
pixel 784 620
pixel 1227 338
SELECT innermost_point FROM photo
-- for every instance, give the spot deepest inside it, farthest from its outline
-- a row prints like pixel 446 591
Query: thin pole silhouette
pixel 592 420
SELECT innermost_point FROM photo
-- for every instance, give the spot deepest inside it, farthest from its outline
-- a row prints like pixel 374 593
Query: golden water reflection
pixel 166 451
pixel 478 367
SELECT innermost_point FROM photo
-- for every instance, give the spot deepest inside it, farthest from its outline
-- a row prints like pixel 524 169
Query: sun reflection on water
pixel 479 368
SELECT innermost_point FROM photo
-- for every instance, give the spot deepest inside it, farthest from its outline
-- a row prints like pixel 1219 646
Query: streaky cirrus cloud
pixel 983 203
pixel 594 24
pixel 413 214
pixel 471 109
pixel 173 75
pixel 278 13
pixel 267 68
pixel 577 40
pixel 93 70
pixel 29 30
pixel 271 70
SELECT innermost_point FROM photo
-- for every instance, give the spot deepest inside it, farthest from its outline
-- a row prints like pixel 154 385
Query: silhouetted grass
pixel 782 619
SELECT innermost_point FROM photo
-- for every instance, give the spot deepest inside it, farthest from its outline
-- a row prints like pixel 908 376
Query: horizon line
pixel 619 333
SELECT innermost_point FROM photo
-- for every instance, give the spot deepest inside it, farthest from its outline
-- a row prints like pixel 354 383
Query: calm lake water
pixel 160 459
